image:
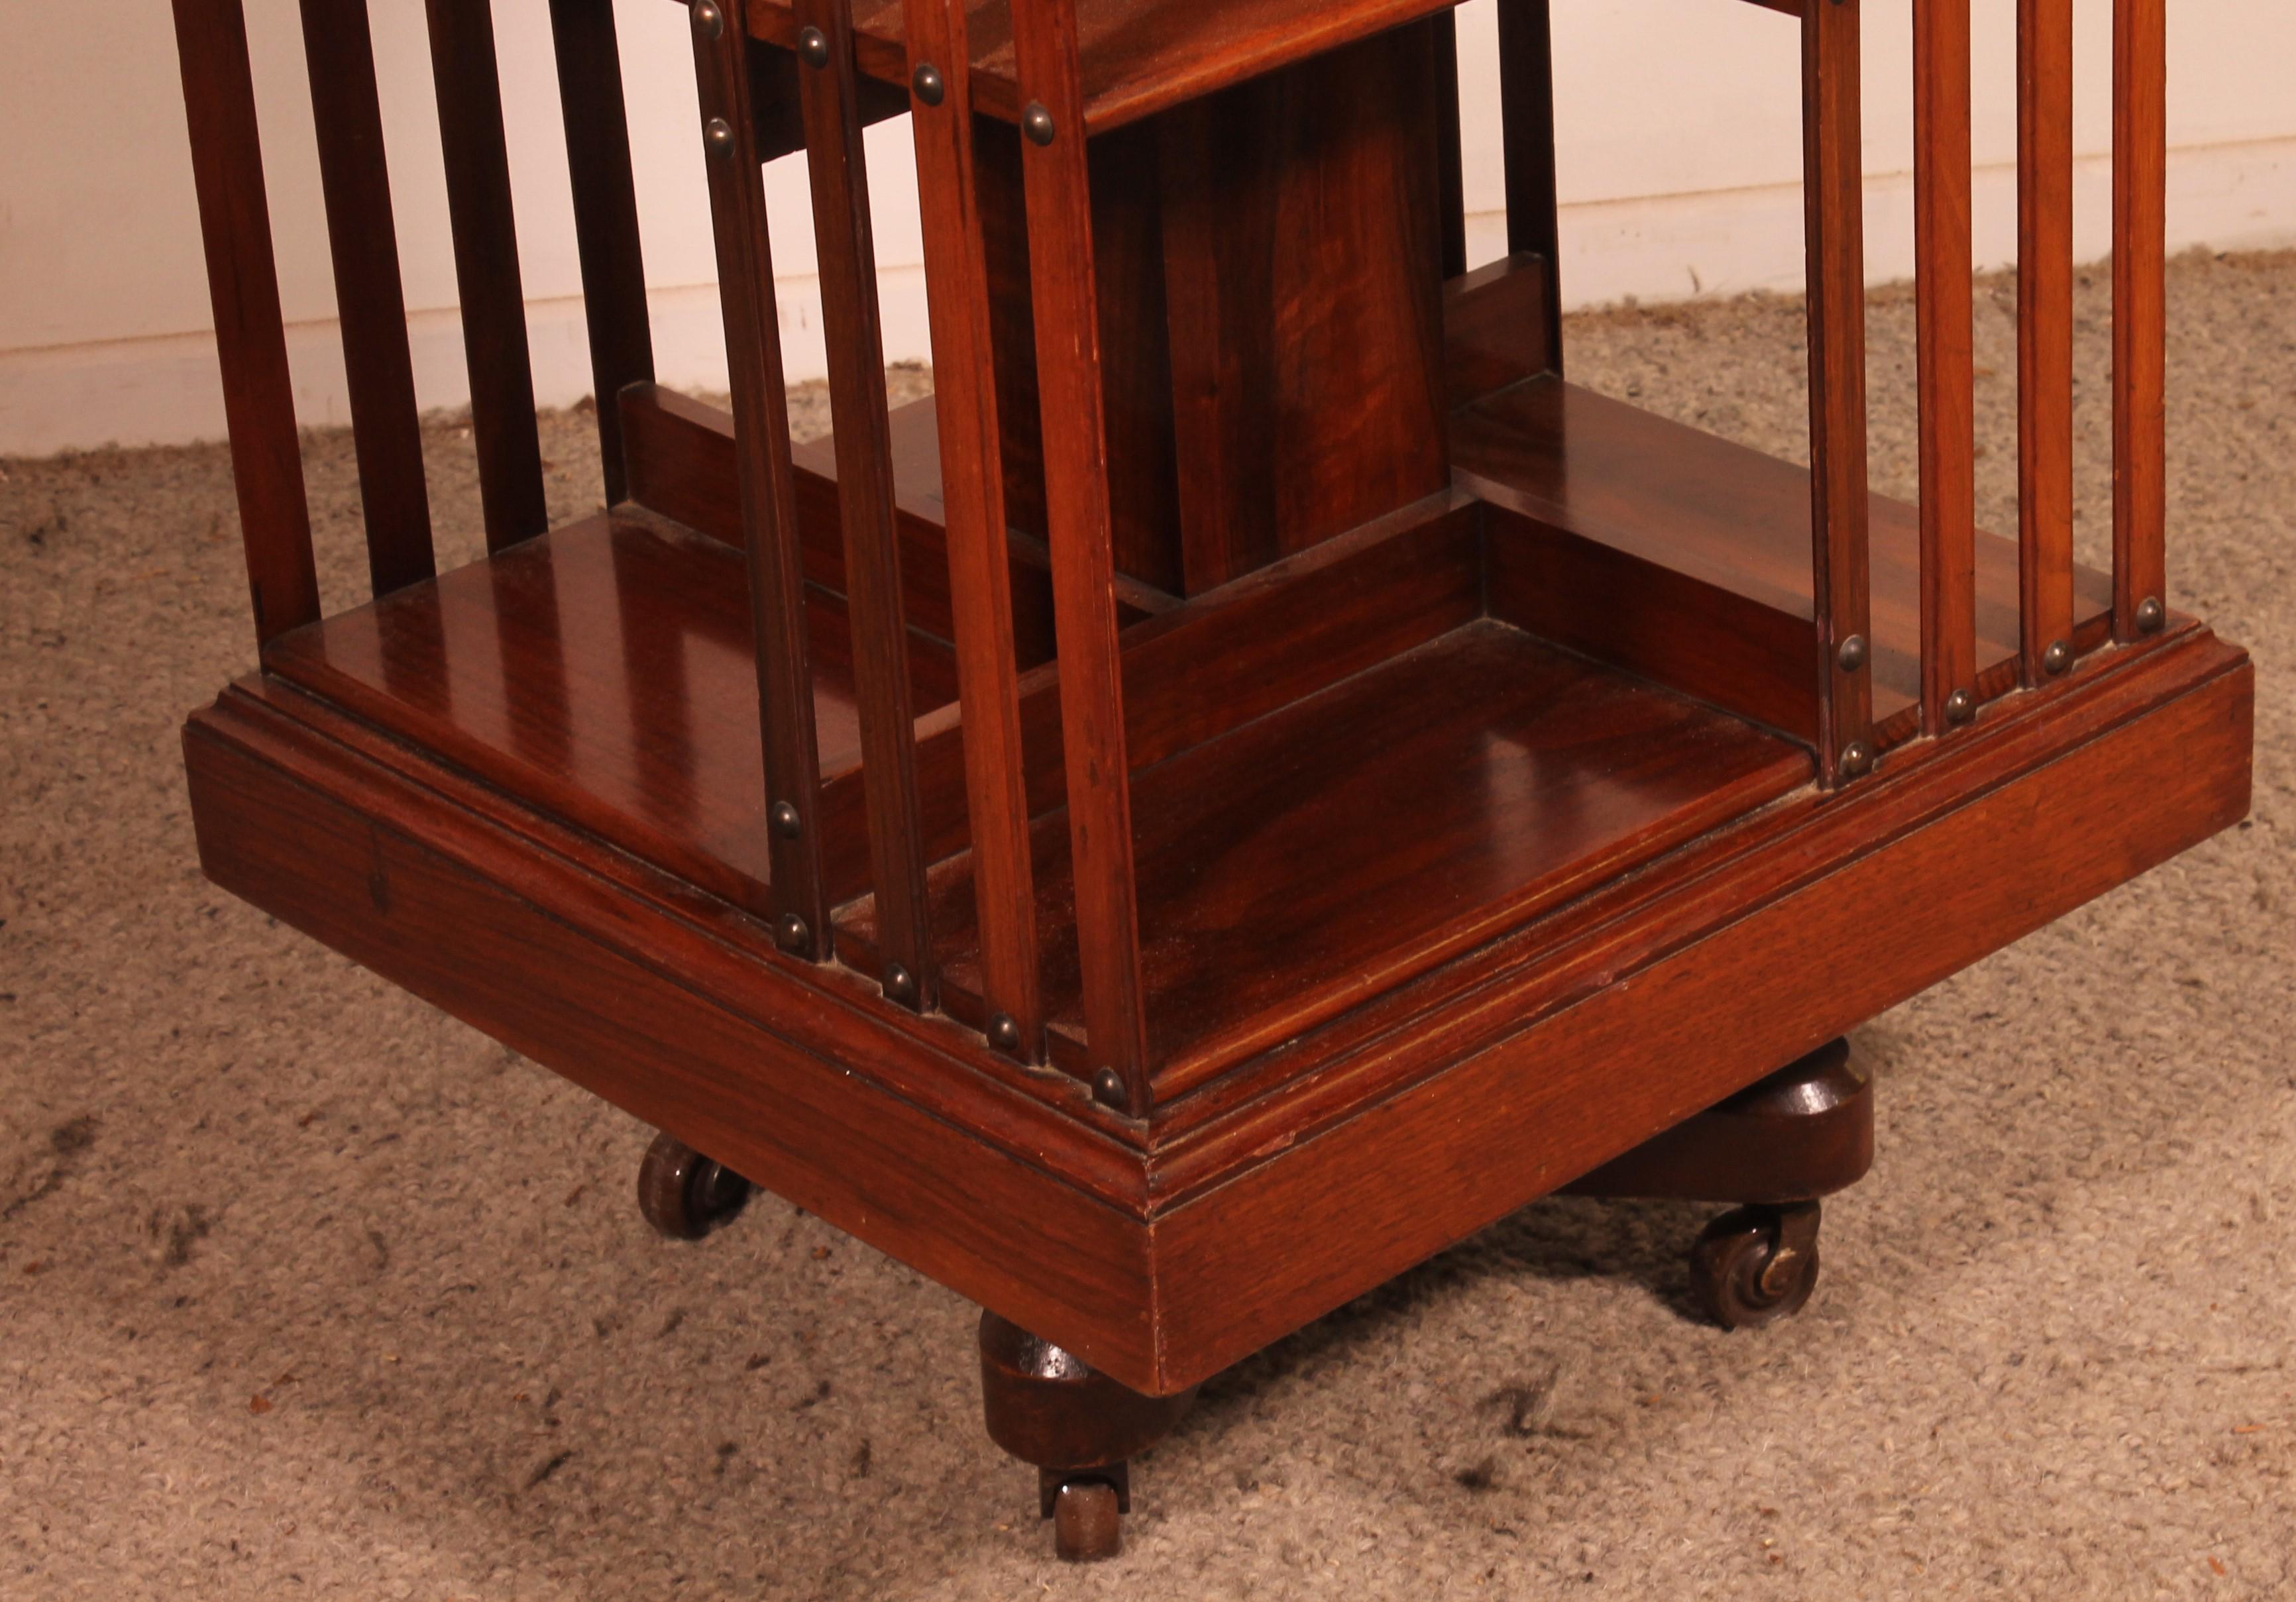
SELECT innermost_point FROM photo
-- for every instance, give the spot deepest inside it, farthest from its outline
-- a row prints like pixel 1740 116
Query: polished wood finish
pixel 1135 57
pixel 1065 304
pixel 2140 228
pixel 1270 1195
pixel 1803 1133
pixel 764 478
pixel 487 278
pixel 605 216
pixel 1508 773
pixel 1527 132
pixel 1498 328
pixel 1735 525
pixel 370 302
pixel 1303 279
pixel 848 258
pixel 2045 333
pixel 1945 290
pixel 1346 781
pixel 963 316
pixel 259 396
pixel 1834 202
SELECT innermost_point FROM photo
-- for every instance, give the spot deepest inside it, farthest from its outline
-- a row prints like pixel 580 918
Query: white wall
pixel 1679 167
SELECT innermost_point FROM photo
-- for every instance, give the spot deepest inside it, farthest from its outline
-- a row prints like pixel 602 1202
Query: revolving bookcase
pixel 1258 776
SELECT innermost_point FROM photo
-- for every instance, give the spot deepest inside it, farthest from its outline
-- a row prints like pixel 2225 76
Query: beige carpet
pixel 306 1291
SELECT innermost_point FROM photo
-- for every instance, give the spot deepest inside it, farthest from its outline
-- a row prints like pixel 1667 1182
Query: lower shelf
pixel 1335 848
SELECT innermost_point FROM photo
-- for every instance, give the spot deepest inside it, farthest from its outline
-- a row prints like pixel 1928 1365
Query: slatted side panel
pixel 371 302
pixel 2044 336
pixel 862 436
pixel 605 214
pixel 1833 208
pixel 250 340
pixel 799 904
pixel 973 494
pixel 1065 302
pixel 2140 225
pixel 1944 292
pixel 485 270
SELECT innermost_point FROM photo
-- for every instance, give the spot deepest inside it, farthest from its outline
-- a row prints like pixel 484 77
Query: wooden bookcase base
pixel 1160 1251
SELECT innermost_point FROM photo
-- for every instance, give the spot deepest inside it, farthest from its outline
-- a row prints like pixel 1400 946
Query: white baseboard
pixel 166 391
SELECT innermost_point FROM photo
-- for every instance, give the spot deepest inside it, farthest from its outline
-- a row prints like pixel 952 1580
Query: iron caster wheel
pixel 684 1194
pixel 1756 1265
pixel 1088 1522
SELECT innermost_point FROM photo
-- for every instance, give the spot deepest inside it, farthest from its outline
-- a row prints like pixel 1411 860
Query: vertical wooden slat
pixel 1834 226
pixel 1944 292
pixel 370 303
pixel 2140 227
pixel 799 903
pixel 1064 297
pixel 605 214
pixel 863 442
pixel 2045 335
pixel 1451 156
pixel 259 397
pixel 1526 134
pixel 972 496
pixel 486 271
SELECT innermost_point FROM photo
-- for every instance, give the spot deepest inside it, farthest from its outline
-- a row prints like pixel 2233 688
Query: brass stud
pixel 1852 655
pixel 2057 658
pixel 718 136
pixel 791 932
pixel 1036 123
pixel 1857 759
pixel 900 984
pixel 1003 1033
pixel 925 82
pixel 813 47
pixel 786 823
pixel 1960 706
pixel 2151 615
pixel 1108 1089
pixel 708 19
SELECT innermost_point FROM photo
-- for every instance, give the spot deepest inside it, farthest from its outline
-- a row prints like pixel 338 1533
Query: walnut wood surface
pixel 846 253
pixel 1834 234
pixel 605 671
pixel 2140 227
pixel 1944 312
pixel 768 530
pixel 2045 328
pixel 605 216
pixel 370 302
pixel 1503 1075
pixel 962 310
pixel 1723 515
pixel 258 395
pixel 1282 867
pixel 487 279
pixel 1137 57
